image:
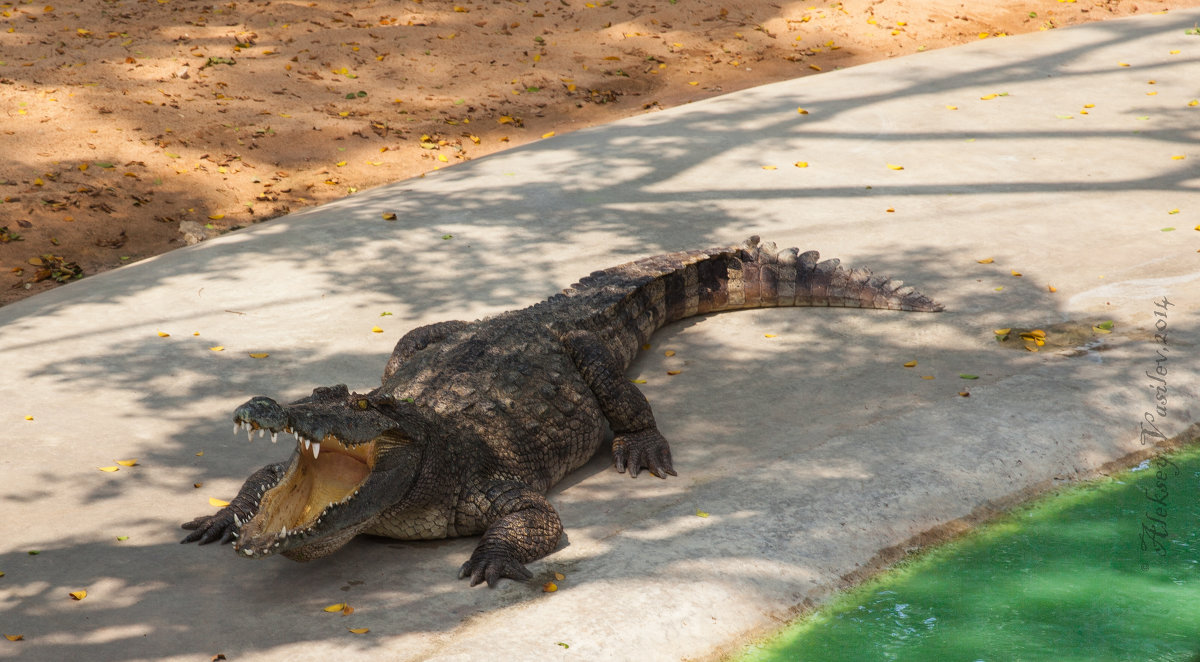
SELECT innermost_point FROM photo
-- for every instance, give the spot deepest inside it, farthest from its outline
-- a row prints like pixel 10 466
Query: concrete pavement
pixel 815 452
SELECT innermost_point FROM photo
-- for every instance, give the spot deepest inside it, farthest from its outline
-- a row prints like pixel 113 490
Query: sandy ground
pixel 132 127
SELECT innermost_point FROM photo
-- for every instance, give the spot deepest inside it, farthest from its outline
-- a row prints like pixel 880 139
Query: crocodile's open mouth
pixel 323 476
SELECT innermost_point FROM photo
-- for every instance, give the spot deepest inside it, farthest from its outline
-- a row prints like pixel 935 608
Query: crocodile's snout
pixel 261 413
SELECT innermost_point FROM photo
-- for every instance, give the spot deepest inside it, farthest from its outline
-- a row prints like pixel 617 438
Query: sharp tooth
pixel 261 432
pixel 249 434
pixel 284 531
pixel 237 520
pixel 316 449
pixel 307 443
pixel 236 427
pixel 274 436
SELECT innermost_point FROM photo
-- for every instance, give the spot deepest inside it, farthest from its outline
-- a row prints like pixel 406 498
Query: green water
pixel 1064 578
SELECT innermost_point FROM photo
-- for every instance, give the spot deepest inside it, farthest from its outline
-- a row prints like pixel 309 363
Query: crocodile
pixel 475 421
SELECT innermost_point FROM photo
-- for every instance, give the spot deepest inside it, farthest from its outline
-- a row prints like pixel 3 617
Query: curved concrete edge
pixel 810 450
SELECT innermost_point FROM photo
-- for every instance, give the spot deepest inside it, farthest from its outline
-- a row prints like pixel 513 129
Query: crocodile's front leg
pixel 224 525
pixel 522 527
pixel 637 443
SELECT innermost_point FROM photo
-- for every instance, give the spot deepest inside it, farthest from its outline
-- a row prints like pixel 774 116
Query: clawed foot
pixel 222 528
pixel 646 449
pixel 491 566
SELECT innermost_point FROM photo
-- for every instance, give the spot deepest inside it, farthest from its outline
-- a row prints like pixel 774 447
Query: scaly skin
pixel 474 421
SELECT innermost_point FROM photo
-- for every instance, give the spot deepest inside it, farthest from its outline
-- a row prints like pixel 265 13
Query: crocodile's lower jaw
pixel 290 515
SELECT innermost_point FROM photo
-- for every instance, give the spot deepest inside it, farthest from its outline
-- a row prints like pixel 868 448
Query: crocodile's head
pixel 355 456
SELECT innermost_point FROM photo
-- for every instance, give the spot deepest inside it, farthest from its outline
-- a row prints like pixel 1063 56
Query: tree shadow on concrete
pixel 620 185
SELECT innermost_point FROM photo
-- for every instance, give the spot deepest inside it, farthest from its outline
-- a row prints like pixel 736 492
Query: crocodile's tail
pixel 639 297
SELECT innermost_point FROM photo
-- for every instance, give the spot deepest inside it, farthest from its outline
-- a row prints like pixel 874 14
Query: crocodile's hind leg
pixel 522 527
pixel 637 443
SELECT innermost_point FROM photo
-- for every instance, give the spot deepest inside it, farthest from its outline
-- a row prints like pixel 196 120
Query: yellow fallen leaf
pixel 549 587
pixel 701 513
pixel 347 610
pixel 335 607
pixel 893 166
pixel 986 260
pixel 548 134
pixel 109 469
pixel 801 164
pixel 1179 157
pixel 30 418
pixel 14 637
pixel 443 159
pixel 218 348
pixel 1194 102
pixel 200 454
pixel 638 381
pixel 814 67
pixel 1123 64
pixel 910 364
pixel 359 630
pixel 1001 332
pixel 802 111
pixel 693 82
pixel 671 352
pixel 341 163
pixel 951 107
pixel 376 329
pixel 1016 273
pixel 127 463
pixel 769 168
pixel 559 576
pixel 987 97
pixel 768 335
pixel 217 503
pixel 389 216
pixel 1051 288
pixel 672 372
pixel 890 210
pixel 78 595
pixel 926 376
pixel 259 355
pixel 163 334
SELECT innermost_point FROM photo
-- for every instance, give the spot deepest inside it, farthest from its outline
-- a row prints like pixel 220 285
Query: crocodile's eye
pixel 362 403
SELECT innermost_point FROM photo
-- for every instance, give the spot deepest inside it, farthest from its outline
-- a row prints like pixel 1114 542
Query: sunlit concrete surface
pixel 811 450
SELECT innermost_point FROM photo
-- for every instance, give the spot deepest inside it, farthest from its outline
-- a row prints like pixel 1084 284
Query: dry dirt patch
pixel 132 127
